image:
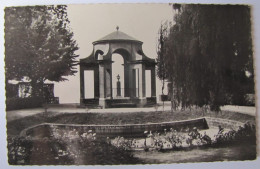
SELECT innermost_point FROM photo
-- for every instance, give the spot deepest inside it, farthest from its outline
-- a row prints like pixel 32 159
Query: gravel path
pixel 16 114
pixel 241 109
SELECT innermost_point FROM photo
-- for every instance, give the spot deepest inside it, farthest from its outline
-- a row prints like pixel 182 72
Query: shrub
pixel 246 133
pixel 23 103
pixel 18 151
pixel 192 138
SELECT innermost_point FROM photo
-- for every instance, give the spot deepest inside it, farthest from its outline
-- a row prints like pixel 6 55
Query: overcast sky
pixel 94 21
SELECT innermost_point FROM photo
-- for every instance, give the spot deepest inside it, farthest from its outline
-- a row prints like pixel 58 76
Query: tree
pixel 39 45
pixel 161 64
pixel 208 52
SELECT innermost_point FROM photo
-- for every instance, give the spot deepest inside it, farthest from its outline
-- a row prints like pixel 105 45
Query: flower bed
pixel 173 140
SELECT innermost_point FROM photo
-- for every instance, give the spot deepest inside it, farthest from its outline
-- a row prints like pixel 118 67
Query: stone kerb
pixel 225 123
pixel 132 130
pixel 127 130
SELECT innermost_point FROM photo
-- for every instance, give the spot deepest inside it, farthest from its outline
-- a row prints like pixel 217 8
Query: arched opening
pixel 148 87
pixel 118 76
pixel 89 84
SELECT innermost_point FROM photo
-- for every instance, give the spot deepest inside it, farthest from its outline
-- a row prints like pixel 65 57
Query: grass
pixel 208 154
pixel 16 126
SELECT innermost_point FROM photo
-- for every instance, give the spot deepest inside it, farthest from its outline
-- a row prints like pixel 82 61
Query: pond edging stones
pixel 134 130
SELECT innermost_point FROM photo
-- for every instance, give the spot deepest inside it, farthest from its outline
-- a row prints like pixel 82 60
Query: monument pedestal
pixel 102 103
pixel 142 102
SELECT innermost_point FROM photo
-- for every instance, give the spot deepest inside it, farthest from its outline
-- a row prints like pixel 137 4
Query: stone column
pixel 96 82
pixel 133 79
pixel 126 80
pixel 102 101
pixel 153 82
pixel 141 85
pixel 82 85
pixel 108 82
pixel 129 87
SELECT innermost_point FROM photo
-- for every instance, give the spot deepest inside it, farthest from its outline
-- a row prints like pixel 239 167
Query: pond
pixel 82 145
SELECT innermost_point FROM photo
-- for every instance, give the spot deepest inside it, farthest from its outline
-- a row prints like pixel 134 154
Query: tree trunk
pixel 173 101
pixel 163 92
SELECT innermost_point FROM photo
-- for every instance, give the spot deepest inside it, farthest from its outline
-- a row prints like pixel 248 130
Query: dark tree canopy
pixel 209 56
pixel 39 44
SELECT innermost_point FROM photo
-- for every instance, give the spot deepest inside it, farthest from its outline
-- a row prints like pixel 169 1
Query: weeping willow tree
pixel 208 55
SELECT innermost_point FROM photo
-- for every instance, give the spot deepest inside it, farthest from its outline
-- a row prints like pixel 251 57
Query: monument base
pixel 142 102
pixel 102 103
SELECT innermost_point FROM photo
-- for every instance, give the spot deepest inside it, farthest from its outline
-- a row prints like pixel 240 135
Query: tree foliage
pixel 161 63
pixel 209 56
pixel 39 44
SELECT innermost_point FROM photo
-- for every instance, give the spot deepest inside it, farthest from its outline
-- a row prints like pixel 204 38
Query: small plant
pixel 244 133
pixel 189 138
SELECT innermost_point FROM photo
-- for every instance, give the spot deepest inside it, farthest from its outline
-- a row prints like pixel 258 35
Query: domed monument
pixel 135 65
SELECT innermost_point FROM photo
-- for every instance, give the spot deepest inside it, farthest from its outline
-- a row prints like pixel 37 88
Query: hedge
pixel 23 103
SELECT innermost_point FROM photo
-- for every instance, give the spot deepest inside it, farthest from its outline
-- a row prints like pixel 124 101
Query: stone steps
pixel 122 105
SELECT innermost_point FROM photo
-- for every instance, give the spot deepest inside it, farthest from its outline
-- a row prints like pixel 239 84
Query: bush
pixel 22 151
pixel 18 151
pixel 164 98
pixel 23 103
pixel 250 99
pixel 191 138
pixel 246 133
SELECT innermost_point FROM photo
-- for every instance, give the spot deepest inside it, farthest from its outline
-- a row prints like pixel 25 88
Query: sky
pixel 94 21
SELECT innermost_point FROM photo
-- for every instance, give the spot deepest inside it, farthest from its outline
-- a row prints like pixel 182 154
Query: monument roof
pixel 117 36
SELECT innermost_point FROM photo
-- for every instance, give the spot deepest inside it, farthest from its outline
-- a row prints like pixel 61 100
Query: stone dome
pixel 117 36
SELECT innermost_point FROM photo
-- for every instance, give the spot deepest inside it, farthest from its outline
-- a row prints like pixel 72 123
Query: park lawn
pixel 16 126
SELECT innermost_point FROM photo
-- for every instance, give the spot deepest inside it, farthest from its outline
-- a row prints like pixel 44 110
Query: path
pixel 16 114
pixel 241 109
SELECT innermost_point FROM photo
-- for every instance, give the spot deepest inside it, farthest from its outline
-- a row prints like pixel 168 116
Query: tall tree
pixel 209 54
pixel 161 64
pixel 39 45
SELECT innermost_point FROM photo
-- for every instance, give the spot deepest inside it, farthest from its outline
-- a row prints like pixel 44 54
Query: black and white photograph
pixel 129 84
